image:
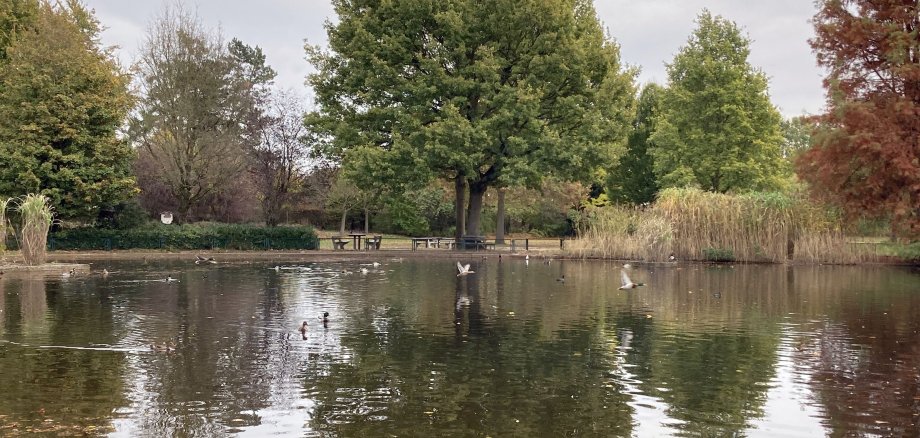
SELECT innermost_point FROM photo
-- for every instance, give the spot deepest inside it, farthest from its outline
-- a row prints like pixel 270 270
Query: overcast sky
pixel 650 32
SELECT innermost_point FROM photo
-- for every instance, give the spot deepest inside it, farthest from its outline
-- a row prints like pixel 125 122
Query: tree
pixel 16 16
pixel 278 160
pixel 717 128
pixel 866 155
pixel 63 99
pixel 195 119
pixel 489 93
pixel 633 179
pixel 796 135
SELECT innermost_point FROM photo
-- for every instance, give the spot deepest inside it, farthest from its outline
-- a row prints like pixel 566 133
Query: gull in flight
pixel 627 283
pixel 464 270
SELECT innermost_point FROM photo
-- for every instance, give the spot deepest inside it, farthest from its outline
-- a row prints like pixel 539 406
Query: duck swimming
pixel 627 283
pixel 561 279
pixel 169 279
pixel 303 328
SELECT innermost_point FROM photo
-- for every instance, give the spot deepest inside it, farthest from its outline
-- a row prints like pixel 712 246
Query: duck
pixel 671 258
pixel 561 279
pixel 375 264
pixel 364 271
pixel 325 317
pixel 717 295
pixel 69 273
pixel 169 279
pixel 105 272
pixel 627 283
pixel 303 328
pixel 277 268
pixel 163 348
pixel 199 260
pixel 627 266
pixel 464 269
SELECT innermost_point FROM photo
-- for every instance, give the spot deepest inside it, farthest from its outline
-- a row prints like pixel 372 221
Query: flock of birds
pixel 626 283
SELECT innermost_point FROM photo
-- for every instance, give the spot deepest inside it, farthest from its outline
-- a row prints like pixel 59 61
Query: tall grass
pixel 37 217
pixel 4 203
pixel 697 225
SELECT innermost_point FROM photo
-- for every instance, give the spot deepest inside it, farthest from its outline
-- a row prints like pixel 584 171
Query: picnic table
pixel 432 242
pixel 475 242
pixel 356 237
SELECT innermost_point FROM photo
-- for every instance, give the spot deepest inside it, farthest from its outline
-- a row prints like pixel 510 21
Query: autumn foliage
pixel 866 155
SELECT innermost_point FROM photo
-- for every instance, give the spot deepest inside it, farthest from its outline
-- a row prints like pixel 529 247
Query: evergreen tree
pixel 63 99
pixel 633 179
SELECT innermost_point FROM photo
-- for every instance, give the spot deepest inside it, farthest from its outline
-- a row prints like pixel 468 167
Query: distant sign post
pixel 166 217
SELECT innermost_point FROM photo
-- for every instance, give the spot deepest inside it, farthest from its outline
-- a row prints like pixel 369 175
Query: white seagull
pixel 627 283
pixel 464 270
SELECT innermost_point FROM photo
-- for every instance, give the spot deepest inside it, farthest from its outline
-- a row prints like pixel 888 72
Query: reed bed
pixel 4 203
pixel 695 225
pixel 37 217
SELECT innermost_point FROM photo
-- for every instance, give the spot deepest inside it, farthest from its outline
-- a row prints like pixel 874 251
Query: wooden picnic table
pixel 357 239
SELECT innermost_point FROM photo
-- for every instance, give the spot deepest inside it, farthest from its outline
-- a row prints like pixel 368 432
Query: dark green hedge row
pixel 188 236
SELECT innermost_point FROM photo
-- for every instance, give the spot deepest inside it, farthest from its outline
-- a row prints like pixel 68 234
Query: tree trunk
pixel 474 213
pixel 342 225
pixel 367 215
pixel 459 194
pixel 500 219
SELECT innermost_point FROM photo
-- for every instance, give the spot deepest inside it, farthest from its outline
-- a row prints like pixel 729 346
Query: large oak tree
pixel 484 93
pixel 867 149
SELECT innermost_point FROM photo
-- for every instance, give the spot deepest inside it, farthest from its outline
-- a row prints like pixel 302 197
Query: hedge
pixel 187 236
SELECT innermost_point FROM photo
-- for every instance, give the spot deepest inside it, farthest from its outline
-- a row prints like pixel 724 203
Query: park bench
pixel 373 242
pixel 339 243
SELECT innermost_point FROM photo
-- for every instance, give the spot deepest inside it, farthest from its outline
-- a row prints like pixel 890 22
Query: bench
pixel 339 243
pixel 373 242
pixel 476 242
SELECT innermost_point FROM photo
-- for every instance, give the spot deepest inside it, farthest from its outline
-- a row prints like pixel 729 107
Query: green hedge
pixel 188 236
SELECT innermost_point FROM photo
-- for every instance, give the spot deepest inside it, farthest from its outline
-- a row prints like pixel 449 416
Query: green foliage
pixel 16 17
pixel 62 100
pixel 796 135
pixel 633 179
pixel 188 237
pixel 494 92
pixel 718 255
pixel 717 129
pixel 125 215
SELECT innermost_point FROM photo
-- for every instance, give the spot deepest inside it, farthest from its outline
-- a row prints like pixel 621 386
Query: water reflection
pixel 411 349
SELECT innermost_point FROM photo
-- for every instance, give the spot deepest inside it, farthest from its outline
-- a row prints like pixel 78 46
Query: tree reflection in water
pixel 414 350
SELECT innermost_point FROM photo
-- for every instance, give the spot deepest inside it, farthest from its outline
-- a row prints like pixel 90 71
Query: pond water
pixel 410 349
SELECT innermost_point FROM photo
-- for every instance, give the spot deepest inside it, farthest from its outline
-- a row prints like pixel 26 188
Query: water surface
pixel 413 350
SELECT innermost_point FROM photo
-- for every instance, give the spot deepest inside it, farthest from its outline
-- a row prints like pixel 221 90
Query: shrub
pixel 188 237
pixel 718 255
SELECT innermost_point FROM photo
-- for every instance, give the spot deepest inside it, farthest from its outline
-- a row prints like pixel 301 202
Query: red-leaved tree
pixel 866 155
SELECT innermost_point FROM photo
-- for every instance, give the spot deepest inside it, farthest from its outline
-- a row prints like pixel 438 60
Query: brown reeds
pixel 697 225
pixel 37 217
pixel 4 203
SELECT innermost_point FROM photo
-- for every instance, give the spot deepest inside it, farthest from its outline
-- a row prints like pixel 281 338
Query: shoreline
pixel 75 257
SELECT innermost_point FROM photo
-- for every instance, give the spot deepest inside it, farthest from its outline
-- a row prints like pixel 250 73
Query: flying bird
pixel 199 260
pixel 627 283
pixel 464 270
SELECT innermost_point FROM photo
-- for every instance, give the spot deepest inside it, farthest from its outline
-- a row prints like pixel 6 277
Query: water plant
pixel 37 217
pixel 696 225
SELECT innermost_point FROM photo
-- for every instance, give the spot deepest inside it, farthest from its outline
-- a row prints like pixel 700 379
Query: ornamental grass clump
pixel 37 217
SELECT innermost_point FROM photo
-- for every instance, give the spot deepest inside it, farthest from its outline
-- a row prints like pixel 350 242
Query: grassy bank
pixel 695 225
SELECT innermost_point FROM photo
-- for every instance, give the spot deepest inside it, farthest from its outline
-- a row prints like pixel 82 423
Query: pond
pixel 411 349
